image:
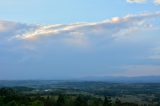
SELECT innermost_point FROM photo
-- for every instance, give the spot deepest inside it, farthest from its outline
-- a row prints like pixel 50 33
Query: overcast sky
pixel 63 39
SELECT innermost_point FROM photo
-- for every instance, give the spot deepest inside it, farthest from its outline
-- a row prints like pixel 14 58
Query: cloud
pixel 80 33
pixel 155 54
pixel 82 48
pixel 10 29
pixel 157 2
pixel 136 1
pixel 139 70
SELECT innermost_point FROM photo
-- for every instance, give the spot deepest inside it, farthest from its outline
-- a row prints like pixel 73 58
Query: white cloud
pixel 136 1
pixel 10 29
pixel 79 33
pixel 157 2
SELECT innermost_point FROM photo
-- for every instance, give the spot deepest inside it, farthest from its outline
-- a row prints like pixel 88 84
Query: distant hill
pixel 123 79
pixel 59 83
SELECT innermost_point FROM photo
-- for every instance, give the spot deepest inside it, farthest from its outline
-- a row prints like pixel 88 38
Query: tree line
pixel 10 97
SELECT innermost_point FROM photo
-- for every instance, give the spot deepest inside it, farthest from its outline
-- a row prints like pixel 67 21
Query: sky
pixel 64 39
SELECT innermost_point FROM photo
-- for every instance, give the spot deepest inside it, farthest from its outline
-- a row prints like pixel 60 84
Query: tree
pixel 117 102
pixel 81 101
pixel 97 102
pixel 1 102
pixel 7 92
pixel 37 103
pixel 48 102
pixel 12 103
pixel 61 100
pixel 107 101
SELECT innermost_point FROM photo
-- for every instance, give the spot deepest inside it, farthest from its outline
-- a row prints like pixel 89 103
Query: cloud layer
pixel 87 48
pixel 157 2
pixel 143 1
pixel 136 1
pixel 79 33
